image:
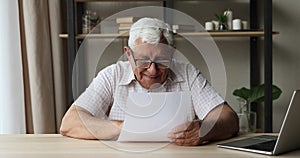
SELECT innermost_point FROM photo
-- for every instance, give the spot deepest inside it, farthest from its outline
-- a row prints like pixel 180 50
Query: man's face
pixel 149 62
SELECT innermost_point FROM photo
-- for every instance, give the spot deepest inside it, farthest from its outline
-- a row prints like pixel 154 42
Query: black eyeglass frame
pixel 158 63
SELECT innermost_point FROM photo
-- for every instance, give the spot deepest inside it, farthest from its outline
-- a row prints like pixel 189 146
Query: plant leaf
pixel 242 92
pixel 276 92
pixel 221 17
pixel 258 93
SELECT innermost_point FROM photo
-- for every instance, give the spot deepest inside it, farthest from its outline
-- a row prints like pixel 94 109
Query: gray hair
pixel 150 30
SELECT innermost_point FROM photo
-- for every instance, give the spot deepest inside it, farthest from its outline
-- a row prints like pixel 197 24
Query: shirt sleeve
pixel 97 98
pixel 204 96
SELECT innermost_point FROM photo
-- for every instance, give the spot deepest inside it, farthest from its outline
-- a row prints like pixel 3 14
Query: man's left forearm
pixel 220 123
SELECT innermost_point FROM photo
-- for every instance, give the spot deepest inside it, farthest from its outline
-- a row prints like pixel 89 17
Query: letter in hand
pixel 187 134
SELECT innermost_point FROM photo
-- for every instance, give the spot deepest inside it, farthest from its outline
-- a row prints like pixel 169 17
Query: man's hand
pixel 187 134
pixel 220 123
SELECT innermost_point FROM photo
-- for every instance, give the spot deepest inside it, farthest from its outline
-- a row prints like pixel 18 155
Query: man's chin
pixel 149 81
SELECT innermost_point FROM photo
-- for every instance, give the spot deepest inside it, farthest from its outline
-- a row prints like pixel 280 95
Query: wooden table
pixel 55 145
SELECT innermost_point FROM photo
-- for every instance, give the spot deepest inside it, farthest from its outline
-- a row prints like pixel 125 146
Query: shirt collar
pixel 175 76
pixel 128 76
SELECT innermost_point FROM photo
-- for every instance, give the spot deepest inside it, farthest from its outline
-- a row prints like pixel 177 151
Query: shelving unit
pixel 244 33
pixel 254 33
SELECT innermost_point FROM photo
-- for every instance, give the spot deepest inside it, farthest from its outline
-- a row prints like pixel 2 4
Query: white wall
pixel 286 54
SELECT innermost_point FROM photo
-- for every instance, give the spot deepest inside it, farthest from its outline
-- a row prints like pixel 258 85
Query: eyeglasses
pixel 146 63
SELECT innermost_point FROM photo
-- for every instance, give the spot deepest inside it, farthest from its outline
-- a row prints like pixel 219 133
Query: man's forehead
pixel 153 47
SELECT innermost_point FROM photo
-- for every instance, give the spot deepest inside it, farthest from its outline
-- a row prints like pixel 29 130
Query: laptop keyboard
pixel 265 146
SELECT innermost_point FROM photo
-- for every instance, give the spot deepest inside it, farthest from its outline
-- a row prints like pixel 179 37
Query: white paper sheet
pixel 150 116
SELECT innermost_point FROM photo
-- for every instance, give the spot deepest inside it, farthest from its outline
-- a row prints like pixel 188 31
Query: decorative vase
pixel 247 118
pixel 222 26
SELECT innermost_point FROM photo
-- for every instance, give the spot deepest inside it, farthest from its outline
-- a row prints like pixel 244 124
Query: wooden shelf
pixel 247 33
pixel 82 36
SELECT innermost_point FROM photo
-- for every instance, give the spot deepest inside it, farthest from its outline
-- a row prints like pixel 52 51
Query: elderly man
pixel 98 113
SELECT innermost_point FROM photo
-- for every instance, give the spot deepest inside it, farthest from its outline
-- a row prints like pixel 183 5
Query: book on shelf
pixel 123 31
pixel 183 28
pixel 125 24
pixel 126 20
pixel 124 27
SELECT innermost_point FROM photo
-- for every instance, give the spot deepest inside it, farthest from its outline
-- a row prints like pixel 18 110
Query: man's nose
pixel 152 69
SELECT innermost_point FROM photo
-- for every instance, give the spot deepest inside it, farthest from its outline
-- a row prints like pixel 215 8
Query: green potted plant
pixel 222 18
pixel 246 97
pixel 256 94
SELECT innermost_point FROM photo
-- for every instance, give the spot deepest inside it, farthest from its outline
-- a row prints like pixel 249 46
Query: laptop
pixel 286 140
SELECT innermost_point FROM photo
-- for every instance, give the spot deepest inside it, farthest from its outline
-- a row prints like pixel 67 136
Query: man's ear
pixel 127 51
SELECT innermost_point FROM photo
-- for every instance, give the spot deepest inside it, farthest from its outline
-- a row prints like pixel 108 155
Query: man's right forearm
pixel 79 123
